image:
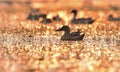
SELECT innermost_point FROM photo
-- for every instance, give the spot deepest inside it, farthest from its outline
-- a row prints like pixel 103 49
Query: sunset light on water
pixel 29 44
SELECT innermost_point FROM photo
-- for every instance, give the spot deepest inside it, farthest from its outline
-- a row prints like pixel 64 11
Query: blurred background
pixel 57 4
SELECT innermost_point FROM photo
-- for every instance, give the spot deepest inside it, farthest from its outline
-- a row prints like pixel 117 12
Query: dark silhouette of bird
pixel 57 18
pixel 111 18
pixel 80 20
pixel 46 20
pixel 67 36
pixel 35 15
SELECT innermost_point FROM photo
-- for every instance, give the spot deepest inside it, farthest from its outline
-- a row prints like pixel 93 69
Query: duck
pixel 80 20
pixel 57 18
pixel 33 16
pixel 46 20
pixel 111 18
pixel 67 36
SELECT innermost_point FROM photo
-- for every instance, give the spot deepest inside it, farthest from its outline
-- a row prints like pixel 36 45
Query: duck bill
pixel 59 29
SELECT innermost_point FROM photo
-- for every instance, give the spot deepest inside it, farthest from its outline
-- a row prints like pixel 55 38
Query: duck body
pixel 56 18
pixel 46 20
pixel 111 18
pixel 71 37
pixel 32 17
pixel 80 20
pixel 67 36
pixel 35 16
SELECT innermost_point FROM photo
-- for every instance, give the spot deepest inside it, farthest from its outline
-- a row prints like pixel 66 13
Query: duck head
pixel 64 28
pixel 74 11
pixel 110 16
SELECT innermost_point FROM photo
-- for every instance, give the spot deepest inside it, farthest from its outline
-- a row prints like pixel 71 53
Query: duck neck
pixel 74 15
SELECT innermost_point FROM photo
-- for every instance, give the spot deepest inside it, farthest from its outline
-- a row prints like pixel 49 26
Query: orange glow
pixel 31 46
pixel 37 5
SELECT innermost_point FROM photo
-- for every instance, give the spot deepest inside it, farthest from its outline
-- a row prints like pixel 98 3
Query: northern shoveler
pixel 111 18
pixel 74 36
pixel 80 20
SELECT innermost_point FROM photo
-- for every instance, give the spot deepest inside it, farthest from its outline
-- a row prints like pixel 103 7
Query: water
pixel 31 46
